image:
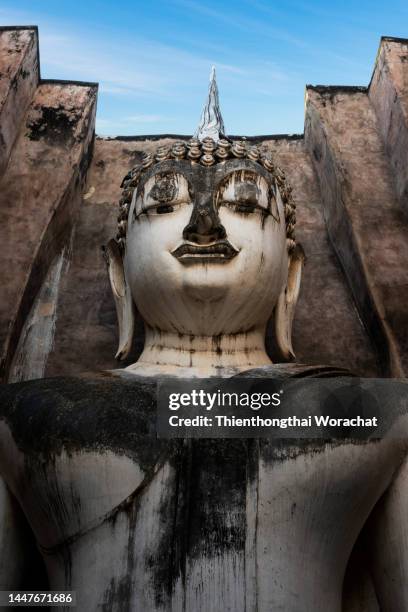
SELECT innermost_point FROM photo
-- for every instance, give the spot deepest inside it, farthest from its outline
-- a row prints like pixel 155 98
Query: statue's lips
pixel 221 250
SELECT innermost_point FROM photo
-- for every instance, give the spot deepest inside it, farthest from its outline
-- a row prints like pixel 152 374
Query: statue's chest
pixel 196 525
pixel 207 520
pixel 213 488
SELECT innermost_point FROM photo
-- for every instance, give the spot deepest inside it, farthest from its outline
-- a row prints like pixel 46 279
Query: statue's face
pixel 206 247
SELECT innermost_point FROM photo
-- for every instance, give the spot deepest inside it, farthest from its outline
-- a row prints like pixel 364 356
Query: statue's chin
pixel 205 293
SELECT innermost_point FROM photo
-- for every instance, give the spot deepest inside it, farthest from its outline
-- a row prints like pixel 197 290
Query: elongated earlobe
pixel 125 309
pixel 285 308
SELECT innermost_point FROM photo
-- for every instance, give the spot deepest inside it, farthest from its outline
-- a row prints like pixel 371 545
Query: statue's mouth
pixel 219 251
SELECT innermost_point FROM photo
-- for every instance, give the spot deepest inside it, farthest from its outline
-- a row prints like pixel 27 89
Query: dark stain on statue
pixel 265 214
pixel 280 450
pixel 117 595
pixel 216 341
pixel 217 521
pixel 165 559
pixel 202 513
pixel 54 509
pixel 63 413
pixel 127 581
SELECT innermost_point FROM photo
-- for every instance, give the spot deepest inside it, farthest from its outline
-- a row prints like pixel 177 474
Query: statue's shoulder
pixel 295 370
pixel 96 390
pixel 91 411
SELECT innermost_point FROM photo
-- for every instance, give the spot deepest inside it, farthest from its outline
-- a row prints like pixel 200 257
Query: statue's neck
pixel 189 355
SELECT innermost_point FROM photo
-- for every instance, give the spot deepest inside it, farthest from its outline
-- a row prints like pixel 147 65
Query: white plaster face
pixel 206 247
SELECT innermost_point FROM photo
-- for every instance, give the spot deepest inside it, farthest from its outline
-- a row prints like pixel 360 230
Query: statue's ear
pixel 285 308
pixel 125 308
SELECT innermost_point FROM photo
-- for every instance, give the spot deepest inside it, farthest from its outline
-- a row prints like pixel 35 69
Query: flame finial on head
pixel 211 123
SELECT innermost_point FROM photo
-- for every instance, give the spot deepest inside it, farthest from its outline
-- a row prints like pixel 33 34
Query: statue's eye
pixel 243 206
pixel 162 194
pixel 245 193
pixel 162 209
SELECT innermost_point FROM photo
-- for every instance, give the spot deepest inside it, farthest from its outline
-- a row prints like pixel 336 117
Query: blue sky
pixel 152 59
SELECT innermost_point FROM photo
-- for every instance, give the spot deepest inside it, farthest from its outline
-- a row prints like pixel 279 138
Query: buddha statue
pixel 206 255
pixel 197 222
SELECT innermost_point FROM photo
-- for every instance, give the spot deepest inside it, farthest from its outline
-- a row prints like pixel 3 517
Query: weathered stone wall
pixel 350 181
pixel 48 130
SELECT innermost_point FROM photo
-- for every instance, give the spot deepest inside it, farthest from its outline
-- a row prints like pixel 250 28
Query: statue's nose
pixel 204 226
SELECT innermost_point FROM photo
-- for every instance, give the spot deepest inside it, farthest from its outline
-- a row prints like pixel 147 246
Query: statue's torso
pixel 132 522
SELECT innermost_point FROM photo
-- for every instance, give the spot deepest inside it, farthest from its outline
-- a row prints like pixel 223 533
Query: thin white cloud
pixel 145 118
pixel 128 122
pixel 232 19
pixel 138 67
pixel 133 70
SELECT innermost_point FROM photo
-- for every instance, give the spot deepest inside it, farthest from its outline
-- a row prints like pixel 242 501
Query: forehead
pixel 204 178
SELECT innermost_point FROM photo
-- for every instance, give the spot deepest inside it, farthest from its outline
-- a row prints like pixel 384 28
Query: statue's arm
pixel 387 542
pixel 13 541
